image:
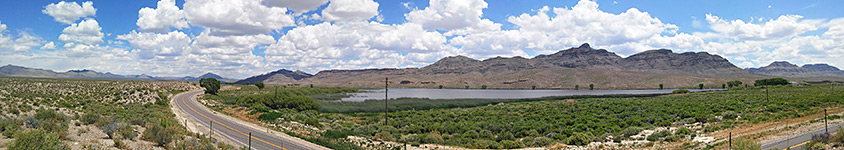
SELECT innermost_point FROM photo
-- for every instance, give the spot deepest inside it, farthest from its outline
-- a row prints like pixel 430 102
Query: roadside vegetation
pixel 535 123
pixel 96 114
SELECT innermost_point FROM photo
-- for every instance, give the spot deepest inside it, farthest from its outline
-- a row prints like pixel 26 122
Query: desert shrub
pixel 127 132
pixel 281 100
pixel 838 137
pixel 630 131
pixel 579 139
pixel 36 139
pixel 270 116
pixel 384 136
pixel 736 88
pixel 483 86
pixel 656 136
pixel 471 134
pixel 509 144
pixel 89 118
pixel 591 86
pixel 745 144
pixel 336 134
pixel 505 136
pixel 312 121
pixel 559 137
pixel 31 122
pixel 680 91
pixel 542 141
pixel 660 86
pixel 683 131
pixel 159 134
pixel 111 128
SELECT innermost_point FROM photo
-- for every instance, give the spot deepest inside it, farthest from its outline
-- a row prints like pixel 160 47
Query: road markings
pixel 804 143
pixel 194 110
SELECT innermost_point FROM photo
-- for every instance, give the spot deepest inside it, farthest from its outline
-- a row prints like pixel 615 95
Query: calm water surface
pixel 492 94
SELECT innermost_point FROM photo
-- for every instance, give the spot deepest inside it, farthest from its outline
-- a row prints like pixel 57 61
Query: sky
pixel 242 38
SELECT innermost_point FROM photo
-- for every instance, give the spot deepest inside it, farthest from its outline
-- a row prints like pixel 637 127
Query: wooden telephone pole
pixel 386 91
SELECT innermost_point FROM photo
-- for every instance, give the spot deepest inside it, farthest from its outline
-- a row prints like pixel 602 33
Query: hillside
pixel 786 69
pixel 581 65
pixel 281 76
pixel 20 71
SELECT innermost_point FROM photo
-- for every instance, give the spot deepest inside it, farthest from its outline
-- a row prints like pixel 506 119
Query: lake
pixel 492 94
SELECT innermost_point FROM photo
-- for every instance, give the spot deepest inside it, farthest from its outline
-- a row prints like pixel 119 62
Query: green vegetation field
pixel 568 121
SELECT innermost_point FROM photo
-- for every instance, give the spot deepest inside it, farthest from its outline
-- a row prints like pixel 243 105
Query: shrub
pixel 542 141
pixel 509 144
pixel 441 86
pixel 745 144
pixel 312 121
pixel 736 88
pixel 472 134
pixel 384 136
pixel 558 136
pixel 771 81
pixel 656 136
pixel 680 91
pixel 36 139
pixel 127 132
pixel 270 116
pixel 579 139
pixel 89 118
pixel 660 86
pixel 683 131
pixel 467 87
pixel 591 86
pixel 159 134
pixel 260 85
pixel 483 86
pixel 700 86
pixel 336 134
pixel 533 87
pixel 111 128
pixel 630 131
pixel 576 87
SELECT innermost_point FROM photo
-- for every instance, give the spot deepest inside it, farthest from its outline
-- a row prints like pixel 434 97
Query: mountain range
pixel 564 69
pixel 581 66
pixel 786 69
pixel 19 71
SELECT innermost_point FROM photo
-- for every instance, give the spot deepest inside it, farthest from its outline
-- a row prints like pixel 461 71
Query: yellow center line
pixel 191 108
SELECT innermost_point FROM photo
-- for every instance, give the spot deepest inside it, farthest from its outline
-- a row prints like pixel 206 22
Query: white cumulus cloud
pixel 237 17
pixel 69 12
pixel 158 45
pixel 448 14
pixel 785 26
pixel 350 10
pixel 163 17
pixel 298 6
pixel 49 45
pixel 87 32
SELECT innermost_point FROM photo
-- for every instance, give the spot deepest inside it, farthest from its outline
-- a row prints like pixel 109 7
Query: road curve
pixel 234 131
pixel 799 141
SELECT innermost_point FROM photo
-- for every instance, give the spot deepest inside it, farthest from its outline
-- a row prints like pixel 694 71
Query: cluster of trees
pixel 735 83
pixel 771 81
pixel 278 101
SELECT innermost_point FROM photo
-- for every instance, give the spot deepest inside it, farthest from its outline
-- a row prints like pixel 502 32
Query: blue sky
pixel 240 38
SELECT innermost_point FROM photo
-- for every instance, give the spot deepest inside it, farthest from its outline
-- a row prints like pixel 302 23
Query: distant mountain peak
pixel 584 45
pixel 275 76
pixel 821 67
pixel 210 75
pixel 782 64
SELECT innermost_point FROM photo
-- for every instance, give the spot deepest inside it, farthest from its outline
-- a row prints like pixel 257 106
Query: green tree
pixel 660 86
pixel 735 83
pixel 467 87
pixel 591 86
pixel 576 87
pixel 441 86
pixel 483 86
pixel 36 139
pixel 700 86
pixel 771 81
pixel 211 85
pixel 533 87
pixel 260 85
pixel 723 86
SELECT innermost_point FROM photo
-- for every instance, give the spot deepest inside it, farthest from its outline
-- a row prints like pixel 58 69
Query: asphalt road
pixel 230 129
pixel 799 141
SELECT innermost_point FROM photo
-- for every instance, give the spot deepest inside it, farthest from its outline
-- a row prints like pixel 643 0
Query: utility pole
pixel 825 124
pixel 766 95
pixel 386 92
pixel 250 140
pixel 210 128
pixel 731 141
